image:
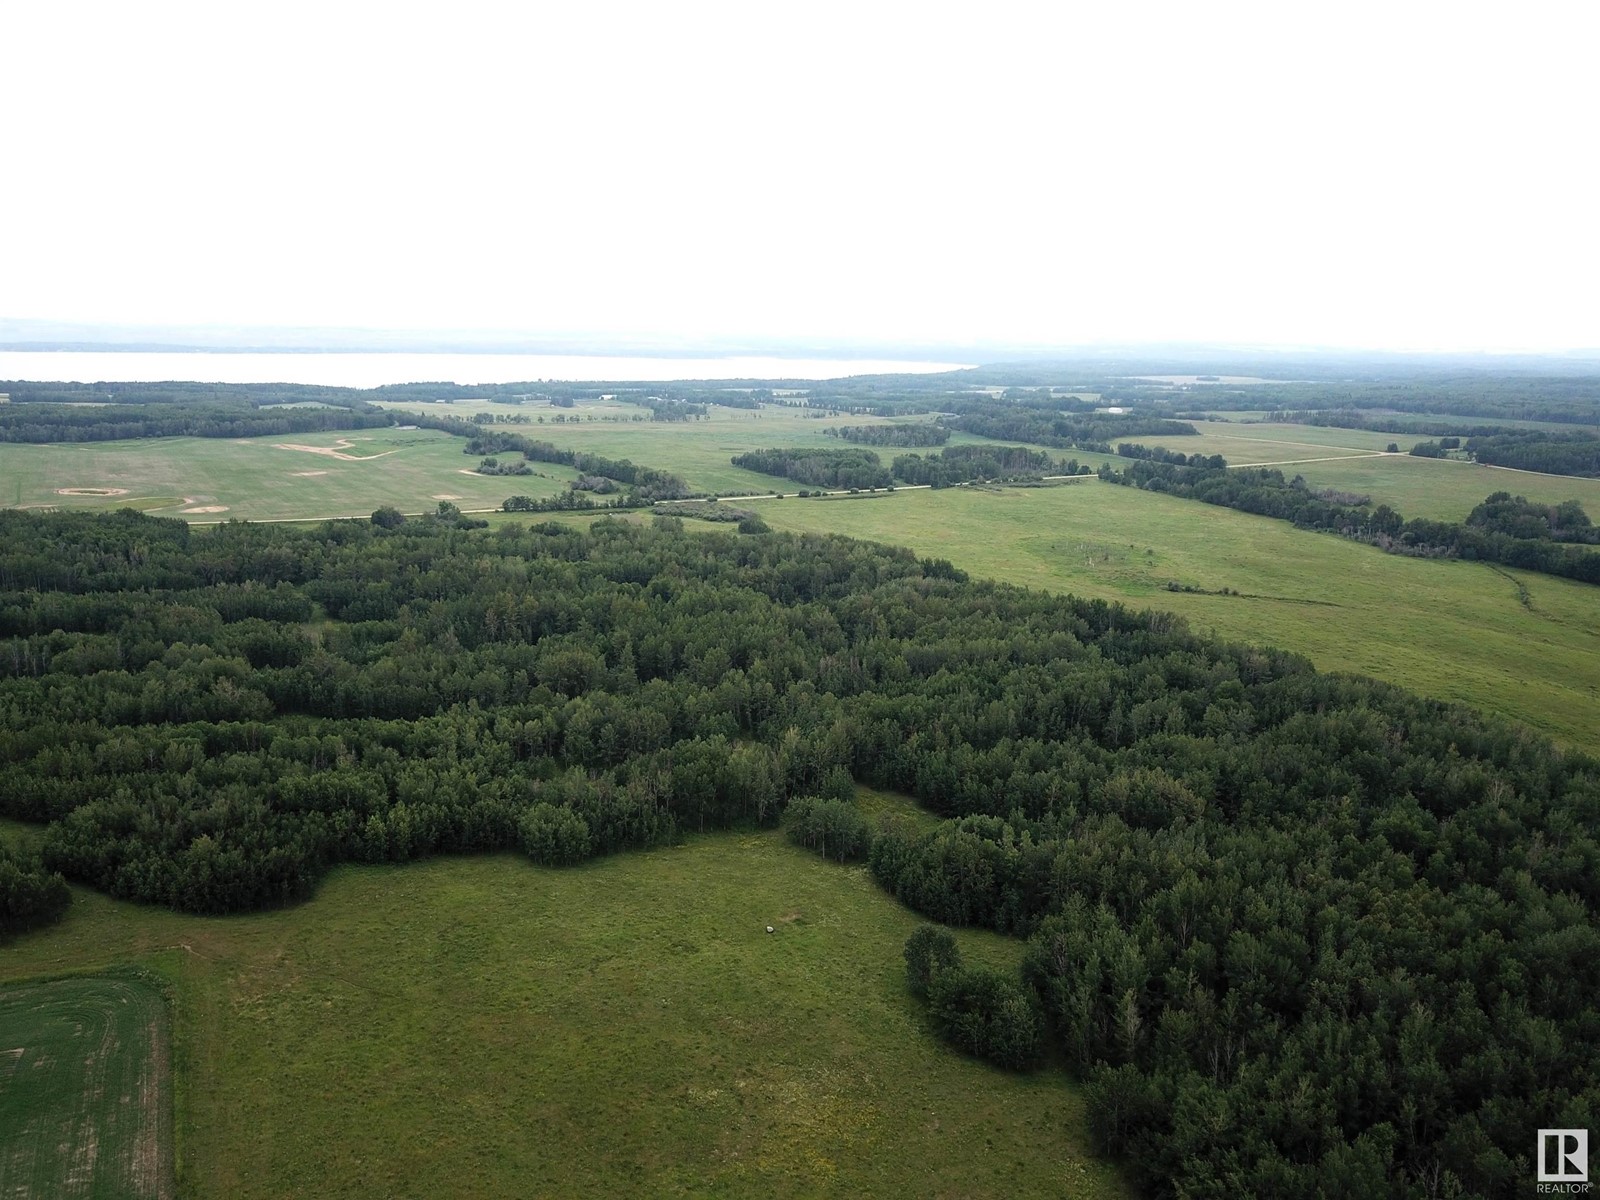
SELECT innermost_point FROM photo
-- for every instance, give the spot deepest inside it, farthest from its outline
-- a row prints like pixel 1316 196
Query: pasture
pixel 289 477
pixel 85 1092
pixel 484 1027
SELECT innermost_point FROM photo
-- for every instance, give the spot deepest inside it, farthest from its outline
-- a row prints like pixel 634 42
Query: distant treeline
pixel 1535 450
pixel 1566 399
pixel 919 433
pixel 966 464
pixel 819 468
pixel 102 412
pixel 1266 492
pixel 1295 934
pixel 1416 426
pixel 1047 425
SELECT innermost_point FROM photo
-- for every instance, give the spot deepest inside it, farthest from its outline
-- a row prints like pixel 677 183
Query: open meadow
pixel 295 476
pixel 484 1027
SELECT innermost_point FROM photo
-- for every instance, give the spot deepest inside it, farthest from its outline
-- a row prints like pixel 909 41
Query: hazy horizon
pixel 1356 179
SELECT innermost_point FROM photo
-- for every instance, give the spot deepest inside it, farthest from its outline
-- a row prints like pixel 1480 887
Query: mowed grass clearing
pixel 1448 629
pixel 484 1027
pixel 293 476
pixel 85 1092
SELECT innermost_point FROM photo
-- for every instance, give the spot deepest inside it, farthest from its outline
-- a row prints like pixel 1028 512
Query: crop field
pixel 481 1026
pixel 85 1097
pixel 309 475
pixel 1449 629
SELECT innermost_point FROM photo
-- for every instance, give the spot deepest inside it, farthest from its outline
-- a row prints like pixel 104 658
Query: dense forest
pixel 1300 934
pixel 1531 546
pixel 1531 450
pixel 39 423
pixel 965 464
pixel 819 468
pixel 1057 421
pixel 919 433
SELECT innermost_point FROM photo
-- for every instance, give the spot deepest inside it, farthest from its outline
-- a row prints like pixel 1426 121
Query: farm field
pixel 1449 629
pixel 481 1026
pixel 85 1092
pixel 294 476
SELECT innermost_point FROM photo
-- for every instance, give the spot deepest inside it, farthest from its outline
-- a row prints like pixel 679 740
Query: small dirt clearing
pixel 337 450
pixel 445 496
pixel 86 1107
pixel 91 491
pixel 307 474
pixel 206 508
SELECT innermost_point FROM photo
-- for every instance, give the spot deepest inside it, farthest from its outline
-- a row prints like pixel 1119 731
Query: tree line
pixel 1265 491
pixel 967 464
pixel 1297 933
pixel 846 468
pixel 916 433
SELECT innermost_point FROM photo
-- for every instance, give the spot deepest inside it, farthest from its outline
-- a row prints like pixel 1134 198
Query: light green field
pixel 1246 444
pixel 698 450
pixel 259 479
pixel 1445 489
pixel 1448 629
pixel 483 1027
pixel 85 1092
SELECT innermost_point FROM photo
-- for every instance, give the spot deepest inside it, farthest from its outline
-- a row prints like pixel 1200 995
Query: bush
pixel 834 828
pixel 754 524
pixel 30 896
pixel 987 1014
pixel 554 835
pixel 388 517
pixel 930 951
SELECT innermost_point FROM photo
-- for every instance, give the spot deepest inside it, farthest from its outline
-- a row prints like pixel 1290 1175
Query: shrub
pixel 29 895
pixel 987 1014
pixel 554 835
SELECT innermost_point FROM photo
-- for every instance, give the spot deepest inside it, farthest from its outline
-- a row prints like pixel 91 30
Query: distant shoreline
pixel 368 369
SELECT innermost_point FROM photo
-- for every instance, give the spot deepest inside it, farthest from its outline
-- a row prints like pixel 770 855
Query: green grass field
pixel 85 1093
pixel 483 1027
pixel 1448 629
pixel 211 479
pixel 698 450
pixel 1445 489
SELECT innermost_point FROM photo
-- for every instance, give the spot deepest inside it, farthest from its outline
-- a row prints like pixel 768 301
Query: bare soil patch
pixel 337 450
pixel 446 496
pixel 206 508
pixel 308 474
pixel 91 491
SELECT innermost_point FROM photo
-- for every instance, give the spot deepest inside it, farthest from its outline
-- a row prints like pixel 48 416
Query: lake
pixel 374 370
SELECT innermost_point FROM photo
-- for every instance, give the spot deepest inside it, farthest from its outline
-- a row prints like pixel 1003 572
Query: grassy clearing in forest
pixel 343 473
pixel 85 1094
pixel 481 1026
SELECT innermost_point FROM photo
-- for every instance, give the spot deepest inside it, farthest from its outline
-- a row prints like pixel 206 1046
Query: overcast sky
pixel 1395 175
